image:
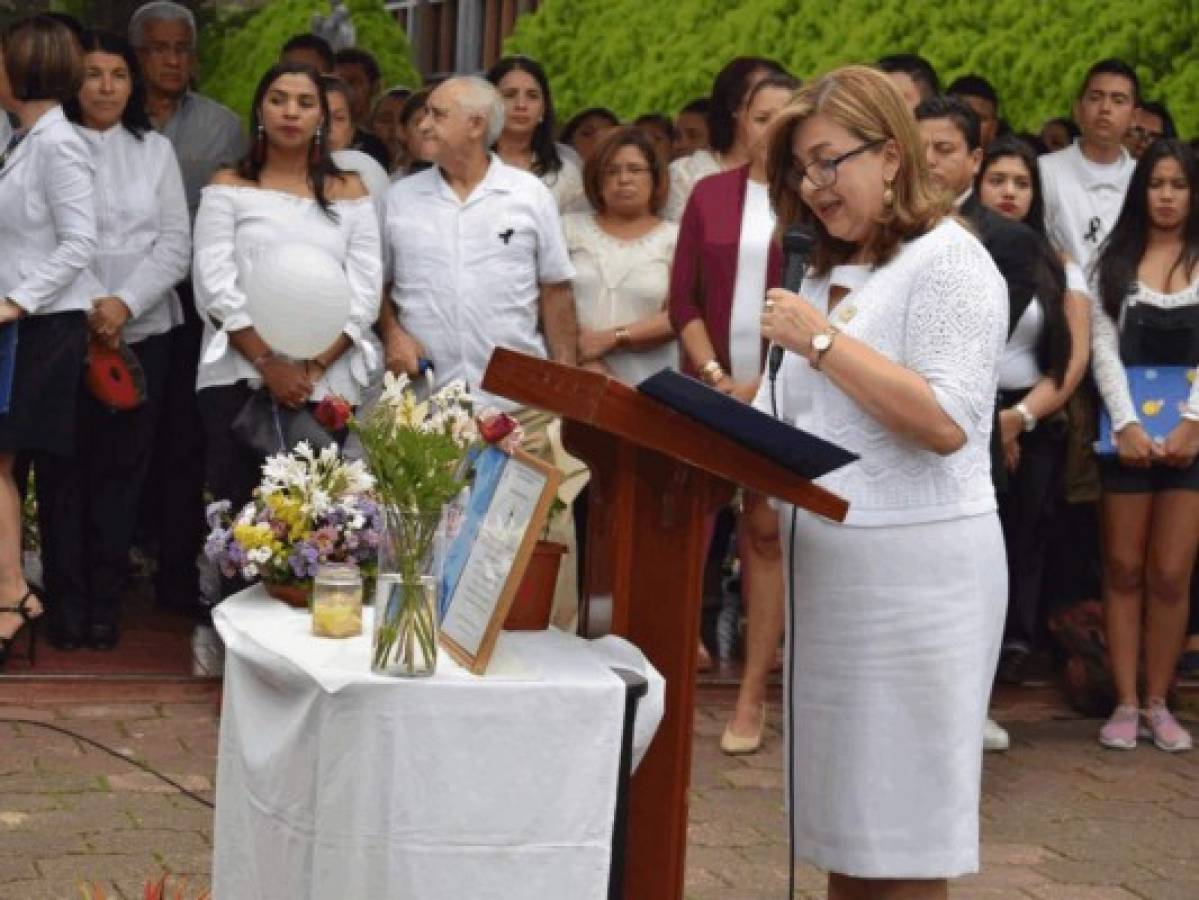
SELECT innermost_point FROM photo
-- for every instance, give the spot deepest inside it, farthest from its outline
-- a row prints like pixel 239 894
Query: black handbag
pixel 267 428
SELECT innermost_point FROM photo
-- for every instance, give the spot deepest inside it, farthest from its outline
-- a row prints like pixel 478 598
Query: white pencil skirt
pixel 895 642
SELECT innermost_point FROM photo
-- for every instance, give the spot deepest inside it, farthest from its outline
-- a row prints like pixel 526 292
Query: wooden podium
pixel 656 477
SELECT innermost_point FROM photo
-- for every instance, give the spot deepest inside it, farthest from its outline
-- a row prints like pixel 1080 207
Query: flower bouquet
pixel 418 452
pixel 310 508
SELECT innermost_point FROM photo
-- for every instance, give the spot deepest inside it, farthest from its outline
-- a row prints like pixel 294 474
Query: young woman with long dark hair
pixel 1148 314
pixel 287 190
pixel 1043 362
pixel 144 251
pixel 527 141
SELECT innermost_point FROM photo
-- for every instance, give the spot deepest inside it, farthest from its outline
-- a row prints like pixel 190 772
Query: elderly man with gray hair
pixel 477 254
pixel 205 134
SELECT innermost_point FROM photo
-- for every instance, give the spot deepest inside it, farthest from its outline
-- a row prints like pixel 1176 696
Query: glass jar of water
pixel 337 601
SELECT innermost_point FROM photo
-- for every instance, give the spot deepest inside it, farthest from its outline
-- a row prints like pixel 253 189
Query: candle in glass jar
pixel 337 601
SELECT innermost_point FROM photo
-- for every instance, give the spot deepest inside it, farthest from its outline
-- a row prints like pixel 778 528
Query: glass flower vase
pixel 404 640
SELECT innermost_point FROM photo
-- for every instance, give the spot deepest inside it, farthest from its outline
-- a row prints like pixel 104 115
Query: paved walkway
pixel 1062 818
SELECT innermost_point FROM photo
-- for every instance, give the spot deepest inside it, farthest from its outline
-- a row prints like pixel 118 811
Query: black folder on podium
pixel 796 450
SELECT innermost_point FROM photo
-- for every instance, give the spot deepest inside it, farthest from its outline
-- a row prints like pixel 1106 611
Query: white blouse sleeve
pixel 956 324
pixel 1110 377
pixel 219 295
pixel 68 177
pixel 364 271
pixel 165 265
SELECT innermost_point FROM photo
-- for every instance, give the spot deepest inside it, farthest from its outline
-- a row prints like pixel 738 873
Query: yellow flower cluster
pixel 253 535
pixel 289 511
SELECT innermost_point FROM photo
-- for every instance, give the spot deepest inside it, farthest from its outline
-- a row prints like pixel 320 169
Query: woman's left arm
pixel 364 271
pixel 952 346
pixel 67 179
pixel 1046 397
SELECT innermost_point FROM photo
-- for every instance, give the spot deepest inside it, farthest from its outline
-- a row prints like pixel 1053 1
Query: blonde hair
pixel 865 103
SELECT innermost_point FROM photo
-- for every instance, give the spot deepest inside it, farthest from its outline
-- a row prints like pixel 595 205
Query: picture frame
pixel 509 504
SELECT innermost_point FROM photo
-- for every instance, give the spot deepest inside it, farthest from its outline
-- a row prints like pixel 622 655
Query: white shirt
pixel 1108 368
pixel 1082 200
pixel 234 226
pixel 685 173
pixel 567 186
pixel 939 307
pixel 1019 368
pixel 373 176
pixel 749 288
pixel 467 275
pixel 144 227
pixel 618 282
pixel 48 219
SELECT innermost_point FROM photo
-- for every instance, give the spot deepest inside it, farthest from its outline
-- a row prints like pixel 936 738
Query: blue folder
pixel 8 363
pixel 800 452
pixel 1159 395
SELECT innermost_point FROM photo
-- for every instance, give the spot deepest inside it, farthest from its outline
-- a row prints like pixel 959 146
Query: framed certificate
pixel 509 503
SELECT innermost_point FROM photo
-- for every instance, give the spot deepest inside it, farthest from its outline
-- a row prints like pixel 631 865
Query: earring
pixel 888 195
pixel 315 155
pixel 259 154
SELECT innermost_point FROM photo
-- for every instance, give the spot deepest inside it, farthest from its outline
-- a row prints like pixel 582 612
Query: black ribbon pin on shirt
pixel 1092 234
pixel 506 236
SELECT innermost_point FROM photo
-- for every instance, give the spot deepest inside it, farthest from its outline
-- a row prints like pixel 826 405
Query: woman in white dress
pixel 896 614
pixel 527 141
pixel 621 254
pixel 287 191
pixel 144 251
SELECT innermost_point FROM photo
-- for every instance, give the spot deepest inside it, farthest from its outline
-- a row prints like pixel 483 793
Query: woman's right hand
pixel 745 391
pixel 1134 446
pixel 287 381
pixel 402 354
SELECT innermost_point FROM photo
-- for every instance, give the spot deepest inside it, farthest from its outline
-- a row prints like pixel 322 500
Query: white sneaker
pixel 995 737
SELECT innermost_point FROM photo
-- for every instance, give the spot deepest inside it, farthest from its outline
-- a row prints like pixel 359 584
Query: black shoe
pixel 1012 665
pixel 103 636
pixel 22 608
pixel 63 638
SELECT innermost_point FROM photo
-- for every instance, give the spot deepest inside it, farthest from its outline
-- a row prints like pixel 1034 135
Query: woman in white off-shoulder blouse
pixel 287 191
pixel 896 614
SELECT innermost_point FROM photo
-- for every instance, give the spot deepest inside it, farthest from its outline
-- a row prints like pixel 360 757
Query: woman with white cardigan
pixel 144 250
pixel 48 232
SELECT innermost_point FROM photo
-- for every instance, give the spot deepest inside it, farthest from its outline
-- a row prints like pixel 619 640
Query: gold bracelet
pixel 711 372
pixel 623 337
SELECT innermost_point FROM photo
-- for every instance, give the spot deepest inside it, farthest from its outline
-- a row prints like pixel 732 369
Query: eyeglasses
pixel 164 49
pixel 822 173
pixel 634 170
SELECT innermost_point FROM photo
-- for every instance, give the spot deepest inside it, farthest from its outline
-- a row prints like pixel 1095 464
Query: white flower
pixel 249 571
pixel 260 555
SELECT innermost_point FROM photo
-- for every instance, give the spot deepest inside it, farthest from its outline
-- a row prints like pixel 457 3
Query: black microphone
pixel 798 243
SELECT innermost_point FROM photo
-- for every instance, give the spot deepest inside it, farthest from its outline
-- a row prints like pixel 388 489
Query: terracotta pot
pixel 296 595
pixel 534 599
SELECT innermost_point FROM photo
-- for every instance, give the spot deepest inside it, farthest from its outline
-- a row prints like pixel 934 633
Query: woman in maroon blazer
pixel 725 259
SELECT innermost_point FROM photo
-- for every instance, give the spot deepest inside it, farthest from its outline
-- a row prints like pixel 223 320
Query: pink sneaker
pixel 1167 734
pixel 1120 731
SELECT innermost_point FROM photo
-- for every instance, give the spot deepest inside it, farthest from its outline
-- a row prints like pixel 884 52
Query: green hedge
pixel 636 56
pixel 236 49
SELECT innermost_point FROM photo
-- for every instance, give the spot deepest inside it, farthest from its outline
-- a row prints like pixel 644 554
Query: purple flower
pixel 215 513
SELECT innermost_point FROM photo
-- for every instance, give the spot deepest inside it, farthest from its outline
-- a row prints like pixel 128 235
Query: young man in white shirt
pixel 476 250
pixel 1085 183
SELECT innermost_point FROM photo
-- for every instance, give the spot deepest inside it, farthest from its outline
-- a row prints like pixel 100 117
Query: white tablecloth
pixel 333 783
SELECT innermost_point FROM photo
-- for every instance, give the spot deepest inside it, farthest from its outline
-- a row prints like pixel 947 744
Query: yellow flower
pixel 253 536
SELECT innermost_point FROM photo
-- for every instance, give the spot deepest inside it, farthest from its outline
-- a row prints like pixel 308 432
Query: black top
pixel 372 147
pixel 1014 247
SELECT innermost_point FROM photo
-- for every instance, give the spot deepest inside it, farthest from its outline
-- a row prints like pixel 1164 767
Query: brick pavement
pixel 1062 818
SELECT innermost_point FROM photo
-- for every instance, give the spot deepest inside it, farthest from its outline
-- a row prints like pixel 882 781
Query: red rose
pixel 333 413
pixel 495 428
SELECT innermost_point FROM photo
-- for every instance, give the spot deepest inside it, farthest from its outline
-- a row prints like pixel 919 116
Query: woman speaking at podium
pixel 897 614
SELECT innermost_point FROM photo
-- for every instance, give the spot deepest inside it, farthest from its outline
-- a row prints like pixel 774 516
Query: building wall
pixel 458 36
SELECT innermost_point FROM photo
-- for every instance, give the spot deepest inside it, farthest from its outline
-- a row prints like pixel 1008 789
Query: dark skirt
pixel 50 354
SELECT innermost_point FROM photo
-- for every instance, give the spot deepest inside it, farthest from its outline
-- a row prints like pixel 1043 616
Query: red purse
pixel 115 377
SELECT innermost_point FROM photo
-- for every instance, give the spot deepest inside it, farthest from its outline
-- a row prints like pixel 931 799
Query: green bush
pixel 636 56
pixel 237 48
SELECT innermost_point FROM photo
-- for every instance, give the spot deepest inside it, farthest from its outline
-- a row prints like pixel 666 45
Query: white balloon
pixel 299 299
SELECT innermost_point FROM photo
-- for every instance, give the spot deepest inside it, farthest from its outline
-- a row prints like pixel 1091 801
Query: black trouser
pixel 1027 505
pixel 96 493
pixel 173 507
pixel 232 470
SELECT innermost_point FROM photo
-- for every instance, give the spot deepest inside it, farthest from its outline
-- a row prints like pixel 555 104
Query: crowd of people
pixel 132 209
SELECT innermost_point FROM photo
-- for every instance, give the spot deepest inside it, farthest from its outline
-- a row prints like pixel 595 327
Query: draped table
pixel 333 782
